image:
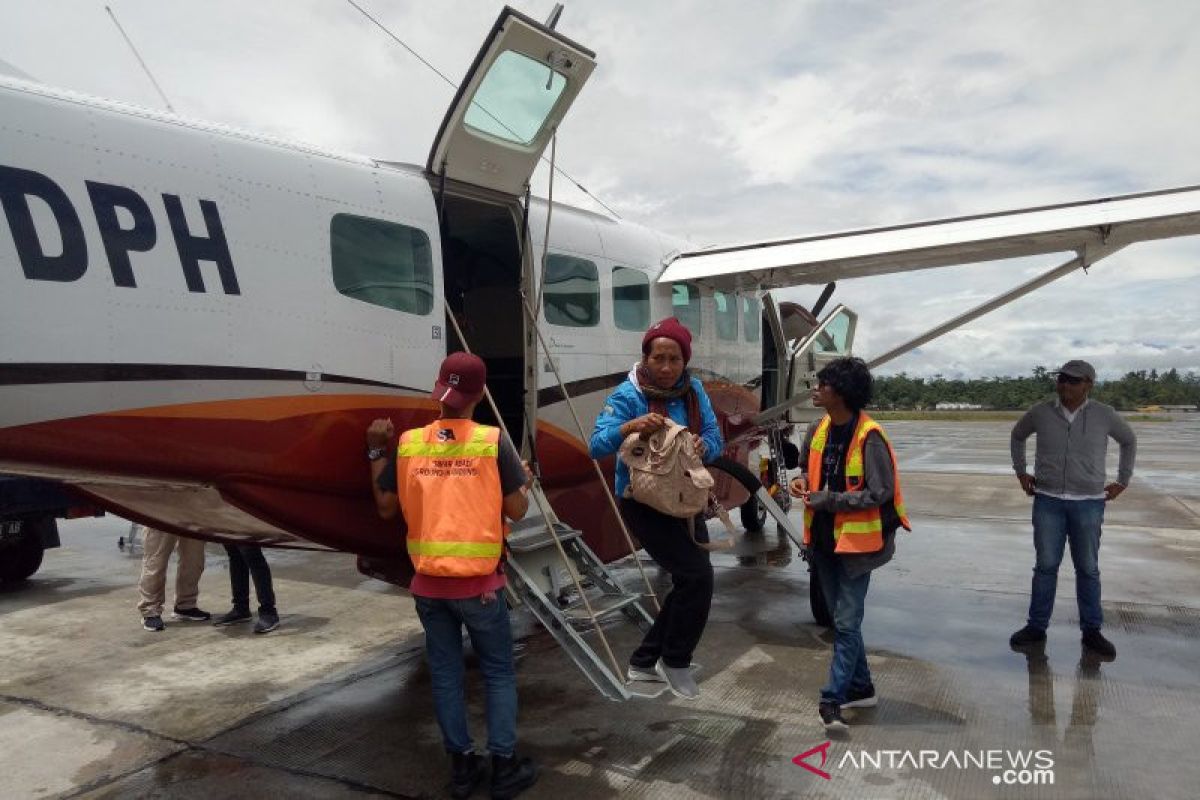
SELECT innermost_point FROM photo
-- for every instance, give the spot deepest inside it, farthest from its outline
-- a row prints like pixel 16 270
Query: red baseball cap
pixel 670 328
pixel 460 380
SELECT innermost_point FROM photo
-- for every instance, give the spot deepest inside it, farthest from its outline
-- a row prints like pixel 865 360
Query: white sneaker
pixel 643 674
pixel 679 680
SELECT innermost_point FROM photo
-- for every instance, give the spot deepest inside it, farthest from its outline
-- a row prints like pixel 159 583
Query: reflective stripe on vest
pixel 448 482
pixel 853 531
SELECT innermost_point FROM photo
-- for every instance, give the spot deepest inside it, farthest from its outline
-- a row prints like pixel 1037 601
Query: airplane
pixel 198 323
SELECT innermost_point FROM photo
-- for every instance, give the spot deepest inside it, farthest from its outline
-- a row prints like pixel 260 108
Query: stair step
pixel 530 535
pixel 602 606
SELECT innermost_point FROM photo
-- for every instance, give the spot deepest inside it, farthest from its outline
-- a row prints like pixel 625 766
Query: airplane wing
pixel 1091 229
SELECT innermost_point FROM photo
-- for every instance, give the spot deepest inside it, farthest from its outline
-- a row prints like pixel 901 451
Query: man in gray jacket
pixel 1069 492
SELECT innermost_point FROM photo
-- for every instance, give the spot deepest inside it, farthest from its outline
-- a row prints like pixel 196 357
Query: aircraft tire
pixel 816 601
pixel 22 557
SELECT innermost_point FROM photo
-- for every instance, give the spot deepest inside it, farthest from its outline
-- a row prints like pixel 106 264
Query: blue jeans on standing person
pixel 845 597
pixel 1055 523
pixel 487 624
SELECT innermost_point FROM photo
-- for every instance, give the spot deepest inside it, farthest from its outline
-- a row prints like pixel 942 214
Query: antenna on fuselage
pixel 138 56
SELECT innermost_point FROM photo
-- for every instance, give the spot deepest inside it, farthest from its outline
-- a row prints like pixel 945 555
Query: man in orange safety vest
pixel 455 482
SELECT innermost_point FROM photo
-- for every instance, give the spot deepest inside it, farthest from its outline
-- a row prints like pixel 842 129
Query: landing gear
pixel 21 547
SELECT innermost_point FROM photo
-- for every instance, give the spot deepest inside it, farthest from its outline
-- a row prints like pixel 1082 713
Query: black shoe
pixel 1094 640
pixel 467 771
pixel 864 698
pixel 511 776
pixel 1027 637
pixel 831 717
pixel 232 617
pixel 191 614
pixel 153 624
pixel 267 622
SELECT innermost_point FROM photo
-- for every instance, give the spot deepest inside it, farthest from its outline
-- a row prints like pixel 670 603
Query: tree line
pixel 1133 391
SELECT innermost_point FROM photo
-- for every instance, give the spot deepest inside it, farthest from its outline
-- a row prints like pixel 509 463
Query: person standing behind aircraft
pixel 1069 495
pixel 156 553
pixel 853 506
pixel 455 481
pixel 659 386
pixel 246 560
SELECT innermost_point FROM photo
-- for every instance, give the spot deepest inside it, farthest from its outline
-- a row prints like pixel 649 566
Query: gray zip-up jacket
pixel 1070 455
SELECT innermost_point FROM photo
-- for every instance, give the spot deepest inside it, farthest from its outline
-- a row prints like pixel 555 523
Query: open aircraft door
pixel 523 81
pixel 832 338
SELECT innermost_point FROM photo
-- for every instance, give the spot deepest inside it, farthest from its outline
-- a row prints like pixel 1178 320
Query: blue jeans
pixel 491 637
pixel 1056 522
pixel 845 597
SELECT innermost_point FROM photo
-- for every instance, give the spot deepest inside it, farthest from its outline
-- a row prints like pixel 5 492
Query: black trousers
pixel 246 560
pixel 680 623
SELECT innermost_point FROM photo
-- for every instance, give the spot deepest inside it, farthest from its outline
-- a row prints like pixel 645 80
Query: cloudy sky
pixel 729 122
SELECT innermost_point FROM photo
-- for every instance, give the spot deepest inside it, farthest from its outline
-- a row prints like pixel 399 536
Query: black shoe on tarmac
pixel 1094 640
pixel 267 622
pixel 232 617
pixel 863 698
pixel 154 624
pixel 191 614
pixel 467 771
pixel 512 775
pixel 1027 637
pixel 831 717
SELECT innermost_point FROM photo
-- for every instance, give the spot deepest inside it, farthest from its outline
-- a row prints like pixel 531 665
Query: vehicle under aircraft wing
pixel 1091 229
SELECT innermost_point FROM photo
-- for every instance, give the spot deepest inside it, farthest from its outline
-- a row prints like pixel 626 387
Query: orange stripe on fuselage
pixel 267 409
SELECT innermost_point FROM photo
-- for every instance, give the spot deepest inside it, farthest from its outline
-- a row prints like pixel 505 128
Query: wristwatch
pixel 376 453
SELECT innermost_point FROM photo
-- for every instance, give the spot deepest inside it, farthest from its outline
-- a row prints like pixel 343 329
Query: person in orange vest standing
pixel 852 508
pixel 455 482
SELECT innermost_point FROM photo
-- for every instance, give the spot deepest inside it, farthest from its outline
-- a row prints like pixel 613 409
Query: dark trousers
pixel 246 560
pixel 680 623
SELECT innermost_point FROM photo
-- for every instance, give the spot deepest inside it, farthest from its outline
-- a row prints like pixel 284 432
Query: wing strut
pixel 1084 260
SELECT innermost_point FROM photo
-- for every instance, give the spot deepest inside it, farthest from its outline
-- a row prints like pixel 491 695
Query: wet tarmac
pixel 336 702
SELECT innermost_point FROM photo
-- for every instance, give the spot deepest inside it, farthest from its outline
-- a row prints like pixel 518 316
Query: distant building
pixel 958 406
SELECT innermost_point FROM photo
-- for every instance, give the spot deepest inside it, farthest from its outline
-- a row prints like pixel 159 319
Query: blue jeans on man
pixel 1057 522
pixel 845 597
pixel 488 626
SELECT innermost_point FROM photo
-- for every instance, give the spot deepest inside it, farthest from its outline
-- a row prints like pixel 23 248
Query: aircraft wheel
pixel 21 555
pixel 816 601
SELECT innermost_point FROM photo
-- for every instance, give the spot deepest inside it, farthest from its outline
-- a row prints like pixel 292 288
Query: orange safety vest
pixel 853 531
pixel 448 482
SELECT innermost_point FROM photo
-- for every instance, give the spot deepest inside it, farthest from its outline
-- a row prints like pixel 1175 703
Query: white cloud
pixel 726 123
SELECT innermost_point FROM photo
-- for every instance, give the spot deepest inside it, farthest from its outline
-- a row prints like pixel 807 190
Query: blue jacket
pixel 628 402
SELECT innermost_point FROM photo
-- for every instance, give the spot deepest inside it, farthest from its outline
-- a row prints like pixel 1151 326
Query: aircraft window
pixel 572 293
pixel 685 304
pixel 751 318
pixel 631 299
pixel 514 98
pixel 382 263
pixel 833 338
pixel 727 314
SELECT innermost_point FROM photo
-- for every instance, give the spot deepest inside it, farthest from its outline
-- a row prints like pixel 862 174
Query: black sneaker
pixel 267 622
pixel 191 614
pixel 467 771
pixel 153 624
pixel 232 617
pixel 831 717
pixel 511 776
pixel 1094 640
pixel 862 698
pixel 1027 637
